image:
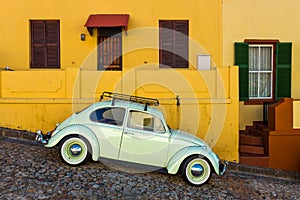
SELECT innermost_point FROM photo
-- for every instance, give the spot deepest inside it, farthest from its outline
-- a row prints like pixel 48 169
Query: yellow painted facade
pixel 73 15
pixel 268 19
pixel 34 99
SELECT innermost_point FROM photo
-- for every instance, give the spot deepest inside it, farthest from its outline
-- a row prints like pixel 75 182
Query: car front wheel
pixel 196 170
pixel 74 150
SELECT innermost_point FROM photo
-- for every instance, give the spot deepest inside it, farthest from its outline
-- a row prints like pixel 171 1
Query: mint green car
pixel 130 129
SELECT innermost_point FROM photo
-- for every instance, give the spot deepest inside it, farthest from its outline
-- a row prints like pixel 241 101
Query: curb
pixel 265 172
pixel 232 167
pixel 17 134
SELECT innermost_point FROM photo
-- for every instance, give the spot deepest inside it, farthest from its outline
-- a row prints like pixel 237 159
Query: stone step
pixel 249 149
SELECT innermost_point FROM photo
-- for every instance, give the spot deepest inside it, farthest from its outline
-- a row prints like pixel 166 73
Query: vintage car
pixel 128 128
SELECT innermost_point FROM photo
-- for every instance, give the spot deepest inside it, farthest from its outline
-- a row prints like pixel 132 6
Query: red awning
pixel 106 20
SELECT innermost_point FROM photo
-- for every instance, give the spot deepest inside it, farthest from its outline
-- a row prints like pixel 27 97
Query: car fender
pixel 176 160
pixel 81 131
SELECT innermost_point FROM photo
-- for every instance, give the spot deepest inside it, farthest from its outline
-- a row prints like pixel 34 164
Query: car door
pixel 107 124
pixel 145 139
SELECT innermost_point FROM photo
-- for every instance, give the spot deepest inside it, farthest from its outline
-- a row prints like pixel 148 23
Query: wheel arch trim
pixel 177 159
pixel 79 130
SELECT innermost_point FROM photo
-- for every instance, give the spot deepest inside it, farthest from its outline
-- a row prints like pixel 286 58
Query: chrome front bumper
pixel 43 138
pixel 222 167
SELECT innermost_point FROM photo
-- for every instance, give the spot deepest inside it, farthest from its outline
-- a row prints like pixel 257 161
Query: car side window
pixel 108 115
pixel 144 121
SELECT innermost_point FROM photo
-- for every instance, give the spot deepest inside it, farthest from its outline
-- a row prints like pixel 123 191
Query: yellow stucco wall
pixel 38 99
pixel 208 99
pixel 73 14
pixel 255 19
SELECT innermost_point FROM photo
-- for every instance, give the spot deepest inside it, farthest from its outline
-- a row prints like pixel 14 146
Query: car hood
pixel 187 137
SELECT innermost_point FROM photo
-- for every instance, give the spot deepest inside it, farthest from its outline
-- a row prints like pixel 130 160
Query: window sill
pixel 257 101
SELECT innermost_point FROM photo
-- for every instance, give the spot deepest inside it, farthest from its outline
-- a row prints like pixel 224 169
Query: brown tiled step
pixel 251 130
pixel 250 149
pixel 245 132
pixel 250 127
pixel 260 125
pixel 254 160
pixel 256 132
pixel 257 122
pixel 251 140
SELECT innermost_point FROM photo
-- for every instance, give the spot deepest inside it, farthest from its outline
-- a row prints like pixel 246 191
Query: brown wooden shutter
pixel 166 56
pixel 181 43
pixel 45 44
pixel 173 43
pixel 52 44
pixel 38 44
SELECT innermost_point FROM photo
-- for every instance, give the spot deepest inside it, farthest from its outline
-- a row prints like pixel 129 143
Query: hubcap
pixel 75 149
pixel 197 170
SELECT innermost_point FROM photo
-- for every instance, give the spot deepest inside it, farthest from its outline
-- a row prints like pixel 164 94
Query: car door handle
pixel 128 133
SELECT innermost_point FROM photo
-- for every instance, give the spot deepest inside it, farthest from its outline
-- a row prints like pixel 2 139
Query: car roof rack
pixel 124 97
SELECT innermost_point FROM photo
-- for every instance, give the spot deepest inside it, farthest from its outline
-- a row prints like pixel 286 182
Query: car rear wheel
pixel 196 170
pixel 74 150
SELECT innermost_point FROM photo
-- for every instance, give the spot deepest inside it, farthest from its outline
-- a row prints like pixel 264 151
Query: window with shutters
pixel 260 71
pixel 173 43
pixel 45 43
pixel 110 48
pixel 264 70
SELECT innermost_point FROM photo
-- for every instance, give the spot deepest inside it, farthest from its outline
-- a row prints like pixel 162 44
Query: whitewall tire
pixel 196 170
pixel 74 150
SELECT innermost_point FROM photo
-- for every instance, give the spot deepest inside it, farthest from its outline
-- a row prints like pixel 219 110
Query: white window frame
pixel 259 72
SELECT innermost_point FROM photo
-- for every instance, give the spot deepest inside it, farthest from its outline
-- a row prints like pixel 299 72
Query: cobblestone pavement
pixel 31 171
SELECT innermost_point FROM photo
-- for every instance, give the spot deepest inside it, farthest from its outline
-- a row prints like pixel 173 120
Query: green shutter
pixel 241 58
pixel 283 70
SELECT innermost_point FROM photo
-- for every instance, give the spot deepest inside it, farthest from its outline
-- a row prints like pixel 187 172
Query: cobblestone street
pixel 31 171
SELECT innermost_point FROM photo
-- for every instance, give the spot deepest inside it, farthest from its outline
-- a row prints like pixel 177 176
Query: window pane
pixel 266 58
pixel 253 85
pixel 265 85
pixel 260 71
pixel 113 116
pixel 253 58
pixel 145 121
